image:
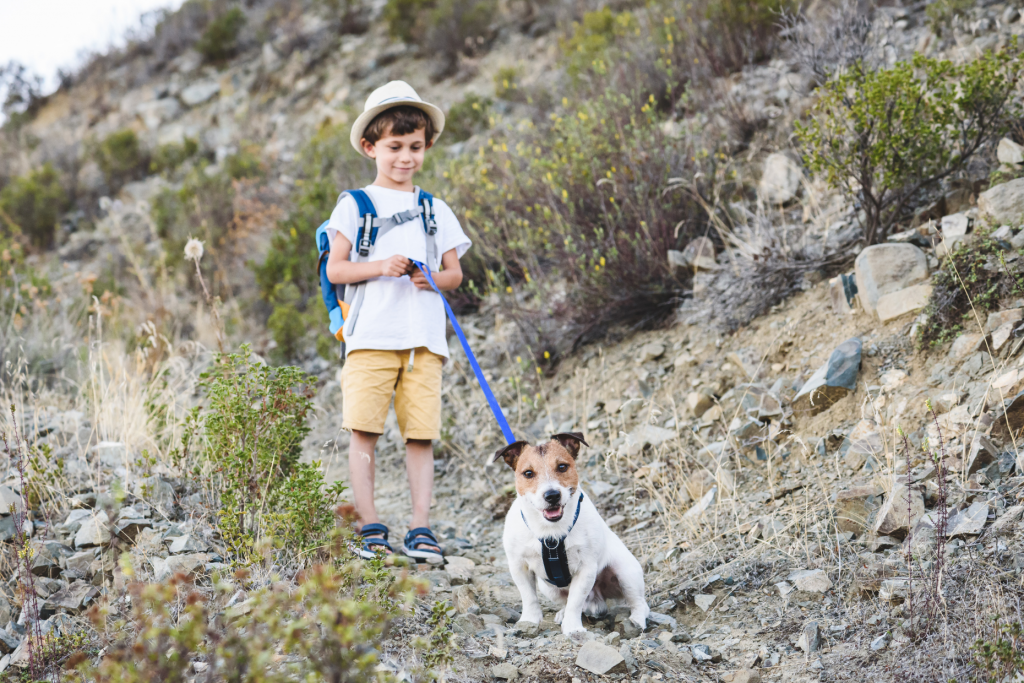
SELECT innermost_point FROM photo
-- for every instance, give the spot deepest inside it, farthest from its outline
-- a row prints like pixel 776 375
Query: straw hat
pixel 394 94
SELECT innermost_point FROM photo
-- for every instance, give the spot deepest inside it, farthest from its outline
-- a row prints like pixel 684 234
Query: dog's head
pixel 546 475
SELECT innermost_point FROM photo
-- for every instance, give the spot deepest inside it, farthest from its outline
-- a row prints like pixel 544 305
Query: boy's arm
pixel 447 279
pixel 342 271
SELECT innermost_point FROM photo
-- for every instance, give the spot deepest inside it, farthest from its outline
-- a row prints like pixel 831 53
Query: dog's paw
pixel 573 628
pixel 559 616
pixel 640 619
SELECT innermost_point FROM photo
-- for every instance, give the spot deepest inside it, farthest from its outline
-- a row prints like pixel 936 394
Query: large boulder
pixel 855 508
pixel 200 92
pixel 1004 203
pixel 903 507
pixel 886 268
pixel 895 304
pixel 832 381
pixel 1009 152
pixel 780 180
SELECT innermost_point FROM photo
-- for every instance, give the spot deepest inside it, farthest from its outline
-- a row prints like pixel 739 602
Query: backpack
pixel 343 302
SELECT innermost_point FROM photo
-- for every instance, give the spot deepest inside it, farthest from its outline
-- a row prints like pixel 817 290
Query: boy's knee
pixel 420 443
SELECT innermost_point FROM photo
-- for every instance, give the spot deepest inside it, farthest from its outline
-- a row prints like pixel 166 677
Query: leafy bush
pixel 591 38
pixel 574 216
pixel 1002 657
pixel 167 158
pixel 328 628
pixel 974 277
pixel 33 203
pixel 245 163
pixel 121 157
pixel 288 278
pixel 740 32
pixel 220 39
pixel 443 27
pixel 888 135
pixel 467 117
pixel 247 438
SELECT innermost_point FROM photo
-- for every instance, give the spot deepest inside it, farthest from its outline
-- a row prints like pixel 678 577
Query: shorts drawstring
pixel 412 359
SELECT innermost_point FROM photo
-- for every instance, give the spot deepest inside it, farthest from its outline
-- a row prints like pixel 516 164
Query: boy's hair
pixel 399 121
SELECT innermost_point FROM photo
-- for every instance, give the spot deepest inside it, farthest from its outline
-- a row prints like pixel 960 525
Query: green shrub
pixel 506 84
pixel 466 117
pixel 220 39
pixel 444 27
pixel 33 203
pixel 740 32
pixel 167 158
pixel 1002 657
pixel 247 440
pixel 588 44
pixel 121 157
pixel 942 13
pixel 245 163
pixel 328 628
pixel 575 217
pixel 975 277
pixel 888 135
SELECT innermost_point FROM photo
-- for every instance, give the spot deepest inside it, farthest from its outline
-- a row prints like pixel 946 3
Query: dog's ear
pixel 511 453
pixel 571 442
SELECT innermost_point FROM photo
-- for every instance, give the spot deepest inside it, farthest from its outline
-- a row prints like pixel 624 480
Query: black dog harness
pixel 552 552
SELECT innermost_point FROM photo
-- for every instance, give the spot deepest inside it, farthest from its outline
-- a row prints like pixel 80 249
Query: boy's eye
pixel 563 467
pixel 528 474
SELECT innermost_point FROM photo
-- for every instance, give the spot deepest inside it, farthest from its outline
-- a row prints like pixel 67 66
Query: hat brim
pixel 364 119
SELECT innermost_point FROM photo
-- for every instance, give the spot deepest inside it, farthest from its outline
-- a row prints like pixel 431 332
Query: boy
pixel 399 344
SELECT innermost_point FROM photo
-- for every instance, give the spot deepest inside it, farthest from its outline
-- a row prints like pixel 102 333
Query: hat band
pixel 397 99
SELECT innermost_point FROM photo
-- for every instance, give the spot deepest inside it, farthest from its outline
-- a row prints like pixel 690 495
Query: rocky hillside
pixel 814 456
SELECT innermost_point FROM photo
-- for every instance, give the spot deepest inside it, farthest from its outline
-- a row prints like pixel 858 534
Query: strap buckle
pixel 364 246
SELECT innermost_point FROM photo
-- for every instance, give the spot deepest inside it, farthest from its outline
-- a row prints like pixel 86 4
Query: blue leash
pixel 491 400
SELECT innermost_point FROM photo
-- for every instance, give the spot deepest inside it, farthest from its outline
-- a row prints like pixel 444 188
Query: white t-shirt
pixel 395 315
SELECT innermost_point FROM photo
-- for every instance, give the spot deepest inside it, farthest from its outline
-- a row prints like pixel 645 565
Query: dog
pixel 590 563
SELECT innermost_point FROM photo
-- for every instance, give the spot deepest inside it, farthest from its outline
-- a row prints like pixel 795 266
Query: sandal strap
pixel 374 528
pixel 369 543
pixel 420 532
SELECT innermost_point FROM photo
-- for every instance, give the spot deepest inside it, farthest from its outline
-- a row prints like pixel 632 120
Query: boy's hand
pixel 395 266
pixel 420 280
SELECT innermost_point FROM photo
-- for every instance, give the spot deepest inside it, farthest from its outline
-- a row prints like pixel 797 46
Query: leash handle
pixel 491 400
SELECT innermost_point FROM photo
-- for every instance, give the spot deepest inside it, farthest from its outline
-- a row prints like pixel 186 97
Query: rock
pixel 702 653
pixel 892 519
pixel 646 436
pixel 999 318
pixel 10 501
pixel 9 642
pixel 700 401
pixel 965 345
pixel 464 600
pixel 95 530
pixel 128 528
pixel 460 570
pixel 178 564
pixel 73 598
pixel 200 92
pixel 780 180
pixel 628 629
pixel 187 544
pixel 110 454
pixel 1004 524
pixel 1004 203
pixel 969 522
pixel 505 671
pixel 704 601
pixel 157 492
pixel 47 556
pixel 699 254
pixel 885 268
pixel 702 505
pixel 880 642
pixel 649 352
pixel 811 580
pixel 855 508
pixel 895 304
pixel 746 676
pixel 81 562
pixel 661 620
pixel 600 659
pixel 833 380
pixel 627 654
pixel 842 293
pixel 8 529
pixel 469 624
pixel 1010 15
pixel 955 225
pixel 1002 335
pixel 810 638
pixel 5 609
pixel 1011 418
pixel 864 443
pixel 156 112
pixel 439 580
pixel 983 453
pixel 893 590
pixel 1009 152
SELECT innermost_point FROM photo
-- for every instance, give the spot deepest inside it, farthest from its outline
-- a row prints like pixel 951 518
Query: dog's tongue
pixel 553 514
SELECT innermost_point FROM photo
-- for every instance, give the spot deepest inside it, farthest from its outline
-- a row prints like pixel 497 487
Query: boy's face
pixel 398 157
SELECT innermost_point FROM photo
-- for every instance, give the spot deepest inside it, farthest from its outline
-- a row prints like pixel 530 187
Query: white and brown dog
pixel 558 543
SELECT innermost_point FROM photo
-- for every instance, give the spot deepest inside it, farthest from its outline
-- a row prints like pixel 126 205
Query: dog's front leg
pixel 581 586
pixel 526 582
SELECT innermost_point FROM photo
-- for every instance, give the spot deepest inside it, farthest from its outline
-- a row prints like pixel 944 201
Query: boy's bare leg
pixel 419 465
pixel 361 476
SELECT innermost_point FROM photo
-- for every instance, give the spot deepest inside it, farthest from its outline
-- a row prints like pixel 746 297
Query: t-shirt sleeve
pixel 449 232
pixel 344 220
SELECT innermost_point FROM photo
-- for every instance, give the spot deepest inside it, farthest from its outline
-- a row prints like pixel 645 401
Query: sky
pixel 49 34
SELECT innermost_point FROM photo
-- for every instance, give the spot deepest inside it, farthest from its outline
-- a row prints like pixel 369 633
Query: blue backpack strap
pixel 367 235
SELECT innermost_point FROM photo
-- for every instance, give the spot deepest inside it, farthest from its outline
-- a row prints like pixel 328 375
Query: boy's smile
pixel 398 158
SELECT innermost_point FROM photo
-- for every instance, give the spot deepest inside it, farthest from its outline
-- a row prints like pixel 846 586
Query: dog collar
pixel 552 552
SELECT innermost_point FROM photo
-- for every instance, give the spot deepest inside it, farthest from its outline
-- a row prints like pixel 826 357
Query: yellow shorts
pixel 370 377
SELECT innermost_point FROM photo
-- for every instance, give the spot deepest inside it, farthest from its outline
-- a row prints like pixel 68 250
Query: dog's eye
pixel 563 467
pixel 528 474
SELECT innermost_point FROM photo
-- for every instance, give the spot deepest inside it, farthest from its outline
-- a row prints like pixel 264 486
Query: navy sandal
pixel 418 537
pixel 368 549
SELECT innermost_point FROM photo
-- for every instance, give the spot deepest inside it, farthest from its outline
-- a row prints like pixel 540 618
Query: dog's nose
pixel 553 497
